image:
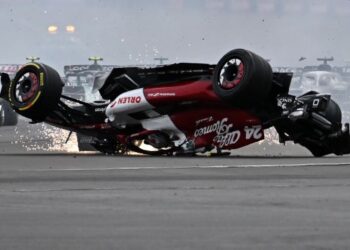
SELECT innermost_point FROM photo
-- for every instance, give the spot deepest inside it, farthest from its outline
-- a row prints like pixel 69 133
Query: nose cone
pixel 129 102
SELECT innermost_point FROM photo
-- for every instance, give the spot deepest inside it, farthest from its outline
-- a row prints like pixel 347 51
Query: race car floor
pixel 89 201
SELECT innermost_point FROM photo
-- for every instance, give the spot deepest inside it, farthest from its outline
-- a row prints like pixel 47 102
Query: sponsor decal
pixel 78 67
pixel 254 132
pixel 41 79
pixel 220 127
pixel 228 138
pixel 207 119
pixel 161 94
pixel 233 137
pixel 100 109
pixel 87 67
pixel 129 99
pixel 225 135
pixel 285 102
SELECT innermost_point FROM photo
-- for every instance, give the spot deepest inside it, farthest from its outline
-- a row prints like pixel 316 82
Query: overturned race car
pixel 183 108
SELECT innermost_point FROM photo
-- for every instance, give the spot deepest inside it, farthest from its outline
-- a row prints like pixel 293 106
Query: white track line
pixel 185 167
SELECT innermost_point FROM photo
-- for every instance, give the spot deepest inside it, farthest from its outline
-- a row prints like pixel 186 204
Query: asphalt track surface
pixel 89 201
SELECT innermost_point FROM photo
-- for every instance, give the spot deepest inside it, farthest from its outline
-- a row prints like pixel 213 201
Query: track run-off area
pixel 91 201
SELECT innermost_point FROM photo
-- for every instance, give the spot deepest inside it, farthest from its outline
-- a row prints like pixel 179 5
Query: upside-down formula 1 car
pixel 183 108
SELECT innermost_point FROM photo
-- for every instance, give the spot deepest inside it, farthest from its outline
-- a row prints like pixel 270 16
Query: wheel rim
pixel 26 87
pixel 231 74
